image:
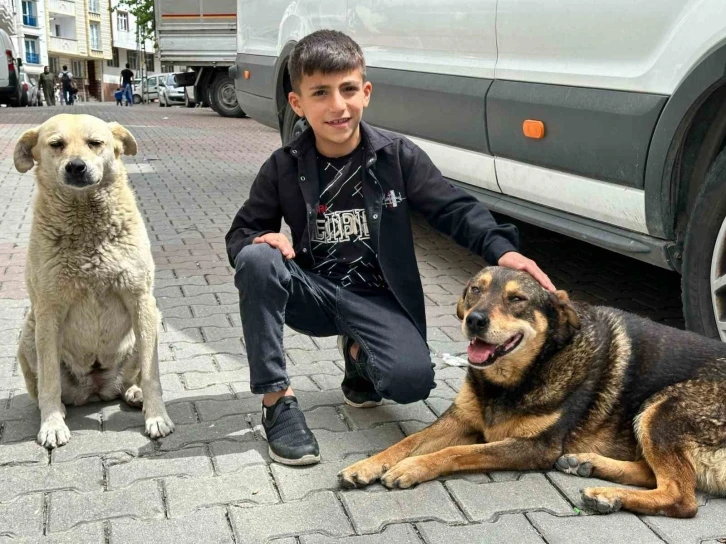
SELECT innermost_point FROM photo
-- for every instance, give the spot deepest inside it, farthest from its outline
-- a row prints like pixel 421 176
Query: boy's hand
pixel 278 240
pixel 517 261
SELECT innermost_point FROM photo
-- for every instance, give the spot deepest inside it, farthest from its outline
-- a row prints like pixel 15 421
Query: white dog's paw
pixel 134 397
pixel 53 433
pixel 159 426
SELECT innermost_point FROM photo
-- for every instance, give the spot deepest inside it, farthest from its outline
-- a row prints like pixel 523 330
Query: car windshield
pixel 170 81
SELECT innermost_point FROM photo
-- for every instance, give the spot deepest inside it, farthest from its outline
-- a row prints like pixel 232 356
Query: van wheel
pixel 225 97
pixel 704 258
pixel 137 99
pixel 292 125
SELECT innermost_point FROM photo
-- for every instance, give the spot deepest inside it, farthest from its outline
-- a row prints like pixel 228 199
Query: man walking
pixel 45 81
pixel 66 78
pixel 127 77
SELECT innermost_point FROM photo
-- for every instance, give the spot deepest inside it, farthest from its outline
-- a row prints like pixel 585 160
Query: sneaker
pixel 357 390
pixel 289 441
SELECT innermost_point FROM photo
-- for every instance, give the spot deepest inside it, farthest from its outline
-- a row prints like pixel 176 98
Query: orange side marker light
pixel 247 74
pixel 533 129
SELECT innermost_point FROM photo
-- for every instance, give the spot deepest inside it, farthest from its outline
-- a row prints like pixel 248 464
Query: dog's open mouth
pixel 482 353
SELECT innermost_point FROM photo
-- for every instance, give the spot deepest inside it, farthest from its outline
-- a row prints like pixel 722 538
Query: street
pixel 212 480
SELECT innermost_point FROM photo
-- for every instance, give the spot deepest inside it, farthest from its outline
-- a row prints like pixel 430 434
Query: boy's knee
pixel 256 262
pixel 408 384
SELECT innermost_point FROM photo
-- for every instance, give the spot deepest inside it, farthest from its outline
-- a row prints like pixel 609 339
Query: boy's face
pixel 333 106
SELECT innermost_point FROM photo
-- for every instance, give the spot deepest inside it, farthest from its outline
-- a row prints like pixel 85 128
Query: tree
pixel 143 10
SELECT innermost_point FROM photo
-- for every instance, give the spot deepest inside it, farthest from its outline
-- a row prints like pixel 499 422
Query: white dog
pixel 92 329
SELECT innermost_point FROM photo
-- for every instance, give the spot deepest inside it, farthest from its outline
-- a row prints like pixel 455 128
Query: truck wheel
pixel 292 125
pixel 225 98
pixel 704 258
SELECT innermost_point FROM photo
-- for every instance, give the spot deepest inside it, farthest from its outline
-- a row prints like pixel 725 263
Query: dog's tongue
pixel 479 351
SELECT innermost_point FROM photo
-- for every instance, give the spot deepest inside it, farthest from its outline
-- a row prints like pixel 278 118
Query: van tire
pixel 707 220
pixel 291 126
pixel 223 94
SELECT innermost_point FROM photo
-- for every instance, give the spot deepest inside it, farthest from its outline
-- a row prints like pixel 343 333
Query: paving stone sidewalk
pixel 212 481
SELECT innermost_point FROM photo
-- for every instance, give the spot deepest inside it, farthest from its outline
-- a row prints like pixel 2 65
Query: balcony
pixel 65 7
pixel 32 58
pixel 30 20
pixel 62 45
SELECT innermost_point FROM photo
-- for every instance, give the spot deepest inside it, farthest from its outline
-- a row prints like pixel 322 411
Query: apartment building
pixel 7 17
pixel 127 48
pixel 28 33
pixel 79 36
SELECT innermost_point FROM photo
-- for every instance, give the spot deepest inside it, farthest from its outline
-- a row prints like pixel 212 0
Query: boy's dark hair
pixel 128 65
pixel 327 52
pixel 65 67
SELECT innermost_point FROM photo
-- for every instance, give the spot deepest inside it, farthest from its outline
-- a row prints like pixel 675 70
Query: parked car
pixel 555 112
pixel 31 94
pixel 10 84
pixel 169 92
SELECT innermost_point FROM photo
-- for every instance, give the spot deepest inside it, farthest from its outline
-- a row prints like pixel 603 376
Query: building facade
pixel 79 36
pixel 127 48
pixel 29 36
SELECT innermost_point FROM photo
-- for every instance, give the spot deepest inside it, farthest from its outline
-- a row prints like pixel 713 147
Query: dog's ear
pixel 125 142
pixel 460 309
pixel 23 154
pixel 562 302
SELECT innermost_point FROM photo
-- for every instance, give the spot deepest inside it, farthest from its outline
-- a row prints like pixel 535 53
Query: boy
pixel 345 189
pixel 118 95
pixel 66 80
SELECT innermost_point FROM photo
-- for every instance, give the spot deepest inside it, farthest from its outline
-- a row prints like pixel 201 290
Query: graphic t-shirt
pixel 341 242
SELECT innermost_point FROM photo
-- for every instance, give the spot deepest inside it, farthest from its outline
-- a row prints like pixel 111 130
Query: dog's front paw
pixel 407 473
pixel 53 432
pixel 159 426
pixel 134 397
pixel 574 464
pixel 603 500
pixel 362 473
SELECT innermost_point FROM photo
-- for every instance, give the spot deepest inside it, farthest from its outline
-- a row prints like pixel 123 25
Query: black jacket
pixel 399 177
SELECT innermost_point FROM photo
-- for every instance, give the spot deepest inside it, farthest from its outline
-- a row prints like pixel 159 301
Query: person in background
pixel 66 78
pixel 46 83
pixel 126 79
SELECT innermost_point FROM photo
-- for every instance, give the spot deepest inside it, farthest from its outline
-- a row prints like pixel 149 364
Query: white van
pixel 10 84
pixel 601 119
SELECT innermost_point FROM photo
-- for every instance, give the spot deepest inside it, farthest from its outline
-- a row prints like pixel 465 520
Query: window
pixel 95 36
pixel 94 6
pixel 57 30
pixel 122 21
pixel 133 59
pixel 77 69
pixel 167 68
pixel 30 13
pixel 149 62
pixel 31 51
pixel 54 65
pixel 113 63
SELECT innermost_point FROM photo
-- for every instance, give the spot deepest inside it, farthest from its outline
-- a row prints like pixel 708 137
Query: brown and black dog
pixel 593 391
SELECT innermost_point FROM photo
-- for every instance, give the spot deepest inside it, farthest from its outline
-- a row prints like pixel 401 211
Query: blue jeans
pixel 128 94
pixel 274 292
pixel 67 96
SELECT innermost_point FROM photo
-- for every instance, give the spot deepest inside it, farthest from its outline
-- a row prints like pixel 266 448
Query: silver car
pixel 169 93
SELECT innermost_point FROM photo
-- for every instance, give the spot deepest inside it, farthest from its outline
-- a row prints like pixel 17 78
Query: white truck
pixel 601 119
pixel 201 35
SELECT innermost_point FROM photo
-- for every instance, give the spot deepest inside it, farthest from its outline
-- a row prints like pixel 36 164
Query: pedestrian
pixel 126 81
pixel 66 79
pixel 46 83
pixel 345 189
pixel 118 95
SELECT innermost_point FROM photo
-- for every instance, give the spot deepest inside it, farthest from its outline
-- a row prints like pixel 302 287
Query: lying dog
pixel 593 391
pixel 92 327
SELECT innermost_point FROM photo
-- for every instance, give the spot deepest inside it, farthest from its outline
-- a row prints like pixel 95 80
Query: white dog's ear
pixel 125 142
pixel 23 154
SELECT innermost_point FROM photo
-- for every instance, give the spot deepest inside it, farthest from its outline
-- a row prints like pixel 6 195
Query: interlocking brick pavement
pixel 212 480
